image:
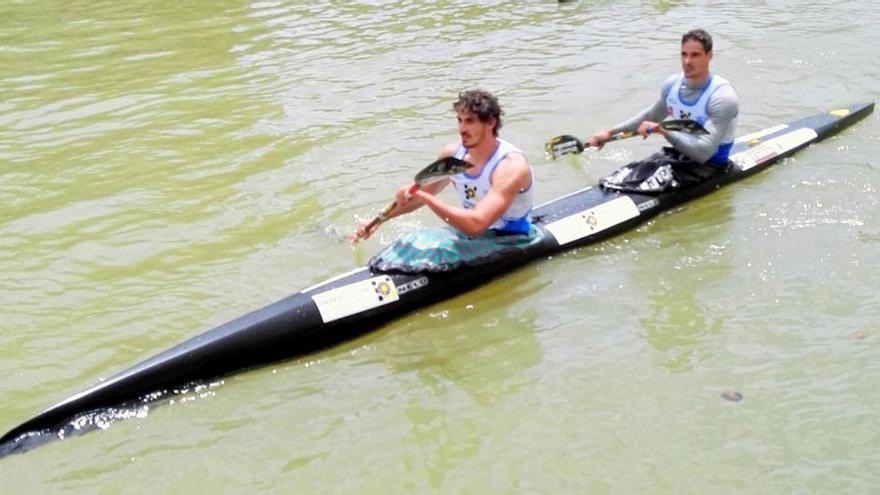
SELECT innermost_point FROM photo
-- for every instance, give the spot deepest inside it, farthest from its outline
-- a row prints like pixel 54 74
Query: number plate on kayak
pixel 355 298
pixel 593 220
pixel 773 148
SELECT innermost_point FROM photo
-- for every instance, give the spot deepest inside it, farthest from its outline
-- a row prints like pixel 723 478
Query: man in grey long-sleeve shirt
pixel 695 94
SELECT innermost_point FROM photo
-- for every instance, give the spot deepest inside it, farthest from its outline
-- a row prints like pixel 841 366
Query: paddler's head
pixel 479 116
pixel 696 53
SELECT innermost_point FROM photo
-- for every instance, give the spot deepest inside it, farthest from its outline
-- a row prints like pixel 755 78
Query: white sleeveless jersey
pixel 471 189
pixel 699 111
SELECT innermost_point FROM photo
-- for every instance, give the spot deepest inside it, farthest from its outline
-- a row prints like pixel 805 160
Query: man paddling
pixel 495 194
pixel 695 94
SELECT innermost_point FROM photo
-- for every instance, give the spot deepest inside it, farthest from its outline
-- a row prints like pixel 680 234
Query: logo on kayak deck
pixel 382 288
pixel 355 297
pixel 593 220
pixel 415 284
pixel 647 205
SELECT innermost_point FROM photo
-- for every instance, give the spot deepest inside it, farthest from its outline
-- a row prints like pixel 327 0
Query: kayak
pixel 361 300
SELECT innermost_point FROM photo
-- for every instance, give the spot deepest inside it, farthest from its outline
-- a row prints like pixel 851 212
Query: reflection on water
pixel 677 280
pixel 475 357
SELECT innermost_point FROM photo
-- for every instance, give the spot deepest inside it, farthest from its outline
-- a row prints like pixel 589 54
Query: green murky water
pixel 166 167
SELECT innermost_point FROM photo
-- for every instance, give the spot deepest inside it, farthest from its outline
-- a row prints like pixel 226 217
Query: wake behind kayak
pixel 356 302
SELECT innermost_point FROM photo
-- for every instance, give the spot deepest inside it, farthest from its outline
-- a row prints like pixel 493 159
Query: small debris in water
pixel 858 335
pixel 732 395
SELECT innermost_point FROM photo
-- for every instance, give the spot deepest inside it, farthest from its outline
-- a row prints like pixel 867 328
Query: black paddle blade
pixel 688 126
pixel 563 145
pixel 441 168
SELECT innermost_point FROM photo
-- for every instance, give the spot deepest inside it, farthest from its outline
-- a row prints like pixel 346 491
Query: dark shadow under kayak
pixel 361 300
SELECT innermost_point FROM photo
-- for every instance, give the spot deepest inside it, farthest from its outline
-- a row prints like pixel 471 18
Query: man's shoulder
pixel 667 84
pixel 724 102
pixel 515 165
pixel 515 159
pixel 449 149
pixel 725 92
pixel 722 83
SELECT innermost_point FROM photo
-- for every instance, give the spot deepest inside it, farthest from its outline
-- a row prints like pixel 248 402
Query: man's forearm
pixel 653 113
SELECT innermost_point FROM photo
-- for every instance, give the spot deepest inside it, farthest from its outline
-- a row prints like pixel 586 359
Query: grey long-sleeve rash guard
pixel 723 108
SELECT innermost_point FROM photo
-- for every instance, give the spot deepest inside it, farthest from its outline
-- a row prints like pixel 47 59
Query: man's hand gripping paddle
pixel 439 170
pixel 570 145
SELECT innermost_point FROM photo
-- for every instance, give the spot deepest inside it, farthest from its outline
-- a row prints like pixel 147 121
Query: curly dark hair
pixel 700 36
pixel 482 104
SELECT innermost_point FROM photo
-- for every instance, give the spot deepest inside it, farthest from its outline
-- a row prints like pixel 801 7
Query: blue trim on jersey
pixel 460 151
pixel 518 226
pixel 682 83
pixel 720 157
pixel 485 165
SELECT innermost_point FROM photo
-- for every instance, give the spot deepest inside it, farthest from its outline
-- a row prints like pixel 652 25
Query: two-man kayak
pixel 359 301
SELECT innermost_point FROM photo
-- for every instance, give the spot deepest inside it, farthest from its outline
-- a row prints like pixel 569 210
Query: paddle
pixel 568 144
pixel 436 171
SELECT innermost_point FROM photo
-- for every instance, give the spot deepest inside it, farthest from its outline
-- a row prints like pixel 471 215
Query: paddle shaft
pixel 438 170
pixel 662 125
pixel 617 137
pixel 568 144
pixel 686 126
pixel 381 217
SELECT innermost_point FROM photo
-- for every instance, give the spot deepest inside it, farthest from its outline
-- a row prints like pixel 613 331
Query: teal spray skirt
pixel 445 249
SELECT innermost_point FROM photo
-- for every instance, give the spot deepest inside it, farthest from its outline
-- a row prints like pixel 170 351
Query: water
pixel 165 168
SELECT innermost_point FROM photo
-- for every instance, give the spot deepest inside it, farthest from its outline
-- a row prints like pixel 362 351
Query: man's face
pixel 471 129
pixel 695 60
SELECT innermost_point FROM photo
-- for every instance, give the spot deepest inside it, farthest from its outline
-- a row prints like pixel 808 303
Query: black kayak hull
pixel 359 301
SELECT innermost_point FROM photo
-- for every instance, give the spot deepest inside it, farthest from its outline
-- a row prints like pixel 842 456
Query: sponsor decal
pixel 593 220
pixel 773 148
pixel 840 112
pixel 647 205
pixel 470 192
pixel 415 284
pixel 355 298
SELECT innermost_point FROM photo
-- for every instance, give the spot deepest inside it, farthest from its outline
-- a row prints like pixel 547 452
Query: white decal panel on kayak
pixel 773 148
pixel 764 132
pixel 354 298
pixel 593 220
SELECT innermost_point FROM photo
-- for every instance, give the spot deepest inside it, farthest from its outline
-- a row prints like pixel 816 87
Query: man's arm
pixel 654 113
pixel 405 202
pixel 510 177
